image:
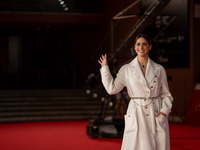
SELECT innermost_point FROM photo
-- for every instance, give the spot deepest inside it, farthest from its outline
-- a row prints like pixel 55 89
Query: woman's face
pixel 142 47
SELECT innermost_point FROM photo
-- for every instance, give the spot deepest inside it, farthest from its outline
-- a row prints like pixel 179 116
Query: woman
pixel 146 123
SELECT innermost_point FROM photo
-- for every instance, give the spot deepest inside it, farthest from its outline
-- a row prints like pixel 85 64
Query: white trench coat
pixel 143 131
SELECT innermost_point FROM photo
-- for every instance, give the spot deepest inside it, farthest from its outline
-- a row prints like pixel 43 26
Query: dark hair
pixel 153 54
pixel 145 36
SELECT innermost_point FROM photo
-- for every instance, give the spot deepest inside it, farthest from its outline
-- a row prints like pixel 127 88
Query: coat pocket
pixel 161 119
pixel 130 123
pixel 161 122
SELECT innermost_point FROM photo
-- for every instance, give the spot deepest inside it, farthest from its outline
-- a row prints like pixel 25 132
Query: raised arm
pixel 111 85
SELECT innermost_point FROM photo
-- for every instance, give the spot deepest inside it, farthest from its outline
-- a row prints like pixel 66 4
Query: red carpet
pixel 72 136
pixel 192 116
pixel 52 136
pixel 184 137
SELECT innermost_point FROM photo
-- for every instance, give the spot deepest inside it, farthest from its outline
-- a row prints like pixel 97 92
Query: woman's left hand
pixel 161 113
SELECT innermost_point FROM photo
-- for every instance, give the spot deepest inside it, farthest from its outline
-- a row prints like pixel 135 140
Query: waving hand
pixel 103 60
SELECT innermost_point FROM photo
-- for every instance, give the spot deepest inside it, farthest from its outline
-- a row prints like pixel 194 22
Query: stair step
pixel 58 108
pixel 64 98
pixel 36 103
pixel 48 105
pixel 40 93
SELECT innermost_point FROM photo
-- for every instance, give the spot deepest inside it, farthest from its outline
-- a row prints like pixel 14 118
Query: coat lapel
pixel 151 71
pixel 138 72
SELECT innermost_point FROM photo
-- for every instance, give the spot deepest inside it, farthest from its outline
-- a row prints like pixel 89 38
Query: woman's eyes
pixel 144 44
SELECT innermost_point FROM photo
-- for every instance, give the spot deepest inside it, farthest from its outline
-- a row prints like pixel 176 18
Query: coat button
pixel 151 86
pixel 146 107
pixel 154 81
pixel 147 114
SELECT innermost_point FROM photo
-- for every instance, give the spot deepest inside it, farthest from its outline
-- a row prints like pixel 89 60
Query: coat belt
pixel 145 98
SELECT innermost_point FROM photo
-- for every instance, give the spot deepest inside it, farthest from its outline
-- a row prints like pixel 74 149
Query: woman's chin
pixel 142 55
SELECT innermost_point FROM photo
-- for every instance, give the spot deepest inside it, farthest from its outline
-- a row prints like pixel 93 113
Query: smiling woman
pixel 142 48
pixel 146 123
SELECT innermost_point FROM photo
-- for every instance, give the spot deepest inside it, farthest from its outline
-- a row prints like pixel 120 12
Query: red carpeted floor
pixel 184 137
pixel 71 135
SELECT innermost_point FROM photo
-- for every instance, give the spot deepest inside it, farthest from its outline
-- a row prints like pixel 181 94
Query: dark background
pixel 42 46
pixel 53 52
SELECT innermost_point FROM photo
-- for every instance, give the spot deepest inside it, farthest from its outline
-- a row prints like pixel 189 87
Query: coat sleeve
pixel 165 95
pixel 112 86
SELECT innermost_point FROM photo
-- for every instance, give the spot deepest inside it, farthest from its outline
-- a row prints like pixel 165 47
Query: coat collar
pixel 151 70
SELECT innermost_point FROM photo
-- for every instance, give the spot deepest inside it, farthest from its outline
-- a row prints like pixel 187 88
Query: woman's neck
pixel 143 61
